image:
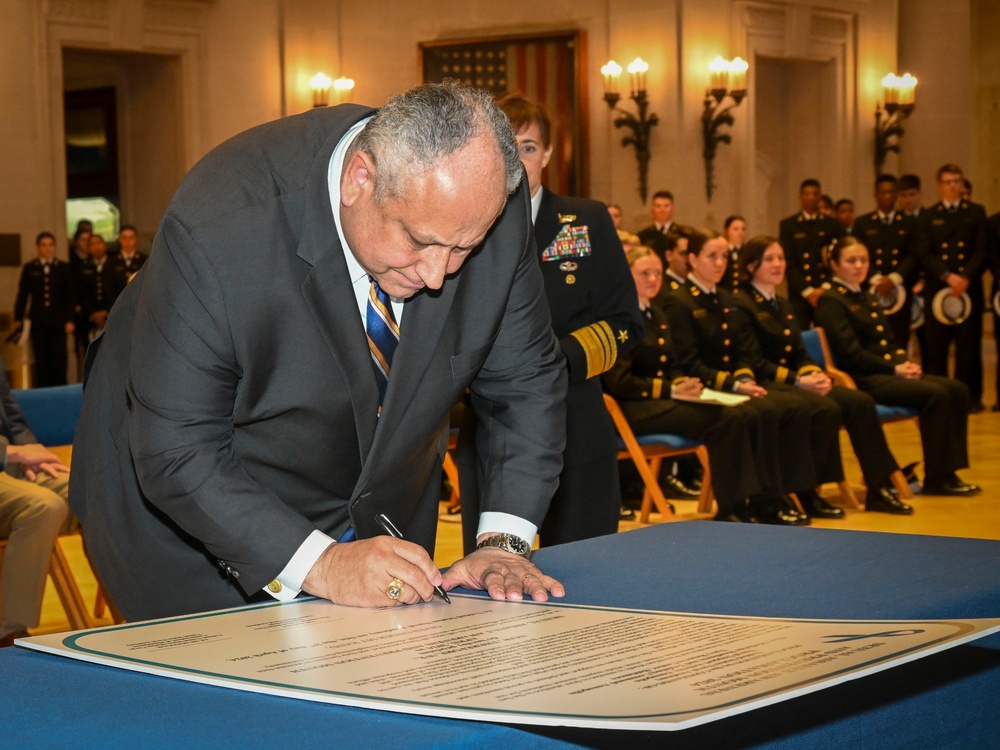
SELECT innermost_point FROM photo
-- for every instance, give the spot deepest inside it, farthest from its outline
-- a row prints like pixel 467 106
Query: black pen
pixel 391 530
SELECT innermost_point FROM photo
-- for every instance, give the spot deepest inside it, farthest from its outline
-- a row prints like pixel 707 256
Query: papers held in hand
pixel 710 396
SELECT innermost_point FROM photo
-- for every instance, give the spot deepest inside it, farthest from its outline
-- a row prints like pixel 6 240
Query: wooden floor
pixel 975 517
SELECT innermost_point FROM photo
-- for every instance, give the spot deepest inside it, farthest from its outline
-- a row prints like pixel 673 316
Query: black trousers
pixel 944 417
pixel 732 436
pixel 968 339
pixel 588 500
pixel 824 419
pixel 864 428
pixel 49 345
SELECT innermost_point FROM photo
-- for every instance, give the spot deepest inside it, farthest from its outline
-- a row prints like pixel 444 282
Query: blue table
pixel 949 700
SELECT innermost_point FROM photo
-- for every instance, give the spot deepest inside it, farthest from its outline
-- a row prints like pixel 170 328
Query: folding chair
pixel 52 414
pixel 647 453
pixel 819 349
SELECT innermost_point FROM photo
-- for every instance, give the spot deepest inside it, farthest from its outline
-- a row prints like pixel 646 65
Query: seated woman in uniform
pixel 861 339
pixel 781 360
pixel 715 343
pixel 656 397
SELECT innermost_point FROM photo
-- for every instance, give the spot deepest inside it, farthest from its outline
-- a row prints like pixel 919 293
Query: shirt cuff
pixel 505 523
pixel 288 584
pixel 807 291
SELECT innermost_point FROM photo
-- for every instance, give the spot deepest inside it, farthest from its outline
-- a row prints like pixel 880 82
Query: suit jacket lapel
pixel 328 292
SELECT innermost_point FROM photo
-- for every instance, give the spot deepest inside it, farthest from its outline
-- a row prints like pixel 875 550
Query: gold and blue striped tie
pixel 383 335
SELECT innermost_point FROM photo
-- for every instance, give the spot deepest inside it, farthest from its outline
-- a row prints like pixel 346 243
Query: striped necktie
pixel 383 335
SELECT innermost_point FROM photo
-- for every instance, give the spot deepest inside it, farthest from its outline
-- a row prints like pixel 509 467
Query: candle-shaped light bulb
pixel 738 74
pixel 612 73
pixel 637 70
pixel 718 74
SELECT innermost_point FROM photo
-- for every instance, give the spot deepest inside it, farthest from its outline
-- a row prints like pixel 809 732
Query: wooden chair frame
pixel 648 458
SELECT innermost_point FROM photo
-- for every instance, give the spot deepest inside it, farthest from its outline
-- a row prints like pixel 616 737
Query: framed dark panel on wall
pixel 92 144
pixel 546 68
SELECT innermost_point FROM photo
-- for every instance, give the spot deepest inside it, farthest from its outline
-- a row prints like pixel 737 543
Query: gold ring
pixel 395 589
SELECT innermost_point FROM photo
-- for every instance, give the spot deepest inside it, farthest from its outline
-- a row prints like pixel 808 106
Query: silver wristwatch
pixel 508 542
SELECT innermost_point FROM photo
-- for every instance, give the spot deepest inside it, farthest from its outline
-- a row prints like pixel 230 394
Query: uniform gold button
pixel 874 315
pixel 788 331
pixel 944 245
pixel 645 394
pixel 726 342
pixel 888 356
pixel 878 328
pixel 726 358
pixel 944 257
pixel 725 326
pixel 659 373
pixel 663 357
pixel 275 587
pixel 788 348
pixel 661 342
pixel 883 342
pixel 879 251
pixel 895 252
pixel 961 244
pixel 806 266
pixel 782 361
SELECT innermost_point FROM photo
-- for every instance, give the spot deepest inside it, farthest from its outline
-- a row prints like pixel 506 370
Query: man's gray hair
pixel 418 128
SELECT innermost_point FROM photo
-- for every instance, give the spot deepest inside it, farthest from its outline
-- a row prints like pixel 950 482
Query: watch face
pixel 517 546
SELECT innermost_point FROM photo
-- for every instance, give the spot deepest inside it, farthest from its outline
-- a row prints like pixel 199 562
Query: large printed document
pixel 515 662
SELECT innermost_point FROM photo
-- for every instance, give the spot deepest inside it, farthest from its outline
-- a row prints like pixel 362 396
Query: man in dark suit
pixel 234 434
pixel 803 237
pixel 994 235
pixel 45 296
pixel 663 222
pixel 888 235
pixel 128 260
pixel 952 243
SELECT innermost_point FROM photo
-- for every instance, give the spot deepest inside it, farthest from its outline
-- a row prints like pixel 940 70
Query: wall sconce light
pixel 641 125
pixel 899 99
pixel 344 88
pixel 321 89
pixel 726 77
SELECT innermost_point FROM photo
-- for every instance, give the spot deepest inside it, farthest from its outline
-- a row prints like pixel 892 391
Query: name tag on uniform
pixel 571 242
pixel 763 315
pixel 800 235
pixel 700 312
pixel 855 308
pixel 938 222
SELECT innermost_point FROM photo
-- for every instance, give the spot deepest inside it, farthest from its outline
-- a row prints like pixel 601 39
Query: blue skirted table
pixel 948 700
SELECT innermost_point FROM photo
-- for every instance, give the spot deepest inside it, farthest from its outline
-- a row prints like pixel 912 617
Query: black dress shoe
pixel 626 514
pixel 817 507
pixel 884 501
pixel 782 518
pixel 953 487
pixel 740 514
pixel 677 489
pixel 976 408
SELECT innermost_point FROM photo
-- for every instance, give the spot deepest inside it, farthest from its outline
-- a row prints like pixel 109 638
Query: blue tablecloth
pixel 949 700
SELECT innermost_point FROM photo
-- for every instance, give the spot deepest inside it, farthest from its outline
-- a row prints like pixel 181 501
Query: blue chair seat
pixel 52 412
pixel 887 413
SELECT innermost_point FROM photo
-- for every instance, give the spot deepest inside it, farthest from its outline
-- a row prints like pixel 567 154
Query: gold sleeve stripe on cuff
pixel 657 388
pixel 599 347
pixel 744 372
pixel 720 380
pixel 781 375
pixel 806 369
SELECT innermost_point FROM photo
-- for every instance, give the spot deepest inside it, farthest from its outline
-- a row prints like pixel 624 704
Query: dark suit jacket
pixel 51 295
pixel 859 332
pixel 803 242
pixel 777 351
pixel 594 309
pixel 890 247
pixel 953 243
pixel 231 407
pixel 712 339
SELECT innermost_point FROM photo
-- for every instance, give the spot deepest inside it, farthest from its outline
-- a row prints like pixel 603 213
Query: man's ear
pixel 358 178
